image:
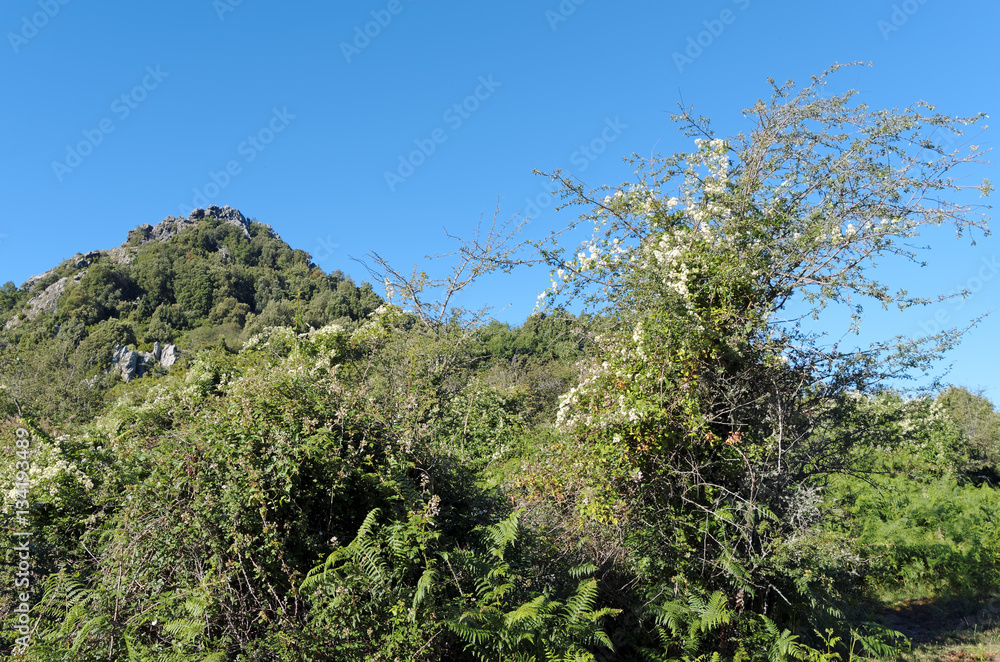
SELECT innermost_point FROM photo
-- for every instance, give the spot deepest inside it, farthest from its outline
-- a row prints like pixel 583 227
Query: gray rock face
pixel 131 364
pixel 46 301
pixel 139 235
pixel 125 361
pixel 168 357
pixel 125 254
pixel 29 284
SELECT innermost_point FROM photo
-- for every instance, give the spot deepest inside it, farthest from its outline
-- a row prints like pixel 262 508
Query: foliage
pixel 685 470
pixel 540 629
pixel 979 422
pixel 926 529
pixel 10 297
pixel 713 408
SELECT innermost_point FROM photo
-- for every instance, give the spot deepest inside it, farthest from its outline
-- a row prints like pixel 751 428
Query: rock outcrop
pixel 131 364
pixel 44 301
pixel 170 226
pixel 173 225
pixel 30 284
pixel 168 357
pixel 125 361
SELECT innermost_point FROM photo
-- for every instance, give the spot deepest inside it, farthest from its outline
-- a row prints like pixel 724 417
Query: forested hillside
pixel 676 470
pixel 212 279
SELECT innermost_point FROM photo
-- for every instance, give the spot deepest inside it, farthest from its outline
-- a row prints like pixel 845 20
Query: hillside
pixel 214 278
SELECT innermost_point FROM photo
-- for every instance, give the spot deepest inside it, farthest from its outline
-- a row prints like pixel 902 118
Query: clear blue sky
pixel 166 96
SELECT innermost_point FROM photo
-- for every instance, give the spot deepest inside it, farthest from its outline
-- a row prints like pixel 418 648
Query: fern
pixel 686 626
pixel 424 584
pixel 360 550
pixel 784 644
pixel 533 629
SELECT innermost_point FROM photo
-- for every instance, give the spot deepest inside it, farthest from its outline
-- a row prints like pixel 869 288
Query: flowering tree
pixel 709 413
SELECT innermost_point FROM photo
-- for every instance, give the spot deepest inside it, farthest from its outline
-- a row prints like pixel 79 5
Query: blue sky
pixel 292 114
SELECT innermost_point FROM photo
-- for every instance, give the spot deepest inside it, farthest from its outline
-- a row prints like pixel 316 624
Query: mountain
pixel 214 278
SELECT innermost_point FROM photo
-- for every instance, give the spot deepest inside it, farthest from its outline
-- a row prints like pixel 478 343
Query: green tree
pixel 229 310
pixel 193 288
pixel 8 298
pixel 696 427
pixel 277 313
pixel 106 290
pixel 979 421
pixel 166 322
pixel 97 348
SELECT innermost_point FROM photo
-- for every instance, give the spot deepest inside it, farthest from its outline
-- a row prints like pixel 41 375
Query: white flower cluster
pixel 637 338
pixel 667 251
pixel 592 393
pixel 668 254
pixel 571 402
pixel 636 200
pixel 325 334
pixel 45 474
pixel 713 154
pixel 326 344
pixel 269 336
pixel 379 324
pixel 700 203
pixel 596 258
pixel 199 380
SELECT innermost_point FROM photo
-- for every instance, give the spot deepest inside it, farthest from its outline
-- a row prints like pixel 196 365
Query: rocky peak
pixel 173 225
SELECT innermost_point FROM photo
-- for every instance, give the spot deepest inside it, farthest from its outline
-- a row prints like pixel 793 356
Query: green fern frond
pixel 90 625
pixel 532 611
pixel 424 585
pixel 580 571
pixel 184 629
pixel 582 601
pixel 716 612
